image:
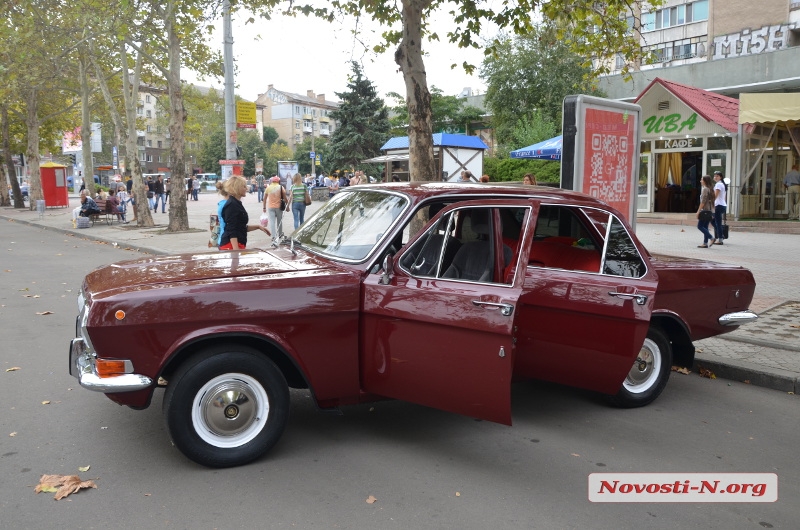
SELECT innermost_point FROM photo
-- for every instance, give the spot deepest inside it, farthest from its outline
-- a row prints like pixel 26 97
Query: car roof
pixel 420 191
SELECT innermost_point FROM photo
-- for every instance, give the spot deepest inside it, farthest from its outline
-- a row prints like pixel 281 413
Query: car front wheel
pixel 649 374
pixel 227 407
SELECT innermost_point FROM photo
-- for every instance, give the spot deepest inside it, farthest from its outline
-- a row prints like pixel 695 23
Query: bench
pixel 105 212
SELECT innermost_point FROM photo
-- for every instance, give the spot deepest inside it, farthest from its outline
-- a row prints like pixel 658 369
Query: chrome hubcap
pixel 645 369
pixel 230 410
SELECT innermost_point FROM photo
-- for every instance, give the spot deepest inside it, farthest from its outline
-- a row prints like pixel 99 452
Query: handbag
pixel 307 198
pixel 724 226
pixel 150 195
pixel 705 216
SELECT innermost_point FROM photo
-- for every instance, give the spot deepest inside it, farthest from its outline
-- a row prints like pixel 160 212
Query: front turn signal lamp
pixel 112 367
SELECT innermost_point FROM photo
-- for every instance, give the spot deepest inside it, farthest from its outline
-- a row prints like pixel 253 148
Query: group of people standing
pixel 275 199
pixel 713 207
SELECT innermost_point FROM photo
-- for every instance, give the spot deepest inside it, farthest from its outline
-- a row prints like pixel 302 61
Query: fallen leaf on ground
pixel 84 469
pixel 147 494
pixel 705 372
pixel 45 402
pixel 44 312
pixel 746 381
pixel 13 433
pixel 680 370
pixel 63 485
pixel 458 494
pixel 371 500
pixel 794 326
pixel 574 454
pixel 25 289
pixel 13 369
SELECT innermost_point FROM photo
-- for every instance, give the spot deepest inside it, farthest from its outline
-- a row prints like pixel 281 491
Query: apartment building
pixel 704 54
pixel 724 46
pixel 153 140
pixel 296 116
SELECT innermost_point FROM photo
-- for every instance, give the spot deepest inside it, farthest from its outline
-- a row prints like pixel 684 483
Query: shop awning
pixel 768 108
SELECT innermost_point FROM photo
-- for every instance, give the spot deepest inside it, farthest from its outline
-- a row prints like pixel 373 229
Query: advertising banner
pixel 601 151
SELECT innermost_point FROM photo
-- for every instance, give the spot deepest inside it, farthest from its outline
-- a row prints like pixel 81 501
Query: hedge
pixel 507 169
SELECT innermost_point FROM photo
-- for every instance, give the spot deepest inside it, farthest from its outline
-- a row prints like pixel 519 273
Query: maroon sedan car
pixel 437 294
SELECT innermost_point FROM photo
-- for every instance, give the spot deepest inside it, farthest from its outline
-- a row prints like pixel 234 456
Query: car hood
pixel 159 270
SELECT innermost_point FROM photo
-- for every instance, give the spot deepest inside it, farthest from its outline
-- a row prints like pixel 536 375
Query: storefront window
pixel 720 142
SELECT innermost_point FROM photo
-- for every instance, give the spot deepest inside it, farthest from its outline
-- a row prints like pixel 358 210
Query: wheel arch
pixel 294 376
pixel 677 333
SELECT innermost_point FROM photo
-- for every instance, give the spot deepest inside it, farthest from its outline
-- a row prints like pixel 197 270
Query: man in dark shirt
pixel 160 194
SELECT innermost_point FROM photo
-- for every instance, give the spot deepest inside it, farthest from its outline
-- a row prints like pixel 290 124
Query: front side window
pixel 464 245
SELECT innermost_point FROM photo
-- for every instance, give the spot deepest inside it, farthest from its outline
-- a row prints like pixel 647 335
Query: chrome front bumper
pixel 738 318
pixel 82 367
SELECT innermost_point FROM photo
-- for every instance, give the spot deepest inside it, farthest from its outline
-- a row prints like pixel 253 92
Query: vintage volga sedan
pixel 438 294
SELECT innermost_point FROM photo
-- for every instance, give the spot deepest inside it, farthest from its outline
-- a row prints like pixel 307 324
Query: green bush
pixel 510 169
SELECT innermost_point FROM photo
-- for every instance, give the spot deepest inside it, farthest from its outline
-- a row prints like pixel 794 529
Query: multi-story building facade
pixel 703 55
pixel 295 116
pixel 153 140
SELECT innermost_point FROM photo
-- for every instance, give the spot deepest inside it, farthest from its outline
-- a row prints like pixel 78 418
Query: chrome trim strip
pixel 738 318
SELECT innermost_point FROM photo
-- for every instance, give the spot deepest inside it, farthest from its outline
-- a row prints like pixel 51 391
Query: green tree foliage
pixel 600 30
pixel 527 80
pixel 321 148
pixel 362 123
pixel 447 113
pixel 269 135
pixel 212 150
pixel 252 146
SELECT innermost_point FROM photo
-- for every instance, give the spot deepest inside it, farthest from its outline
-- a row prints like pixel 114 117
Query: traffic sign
pixel 311 155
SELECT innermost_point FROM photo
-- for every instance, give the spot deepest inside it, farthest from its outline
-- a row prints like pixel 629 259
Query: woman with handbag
pixel 298 198
pixel 274 197
pixel 705 212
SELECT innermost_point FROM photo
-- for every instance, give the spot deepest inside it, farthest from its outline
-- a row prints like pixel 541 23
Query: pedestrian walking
pixel 274 195
pixel 720 206
pixel 792 184
pixel 196 188
pixel 705 212
pixel 297 200
pixel 159 193
pixel 261 182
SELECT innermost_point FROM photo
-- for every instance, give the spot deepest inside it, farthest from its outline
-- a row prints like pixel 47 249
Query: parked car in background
pixel 438 294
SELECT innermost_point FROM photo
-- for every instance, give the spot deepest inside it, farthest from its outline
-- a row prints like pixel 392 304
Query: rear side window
pixel 586 240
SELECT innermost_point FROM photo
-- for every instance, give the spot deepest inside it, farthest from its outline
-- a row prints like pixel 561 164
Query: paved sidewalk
pixel 765 353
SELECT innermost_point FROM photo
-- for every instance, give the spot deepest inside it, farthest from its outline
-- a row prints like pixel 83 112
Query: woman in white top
pixel 720 206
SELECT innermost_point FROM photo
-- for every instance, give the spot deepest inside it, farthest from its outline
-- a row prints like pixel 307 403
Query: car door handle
pixel 640 298
pixel 505 309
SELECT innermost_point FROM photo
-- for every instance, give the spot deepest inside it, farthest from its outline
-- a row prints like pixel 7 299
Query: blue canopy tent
pixel 546 150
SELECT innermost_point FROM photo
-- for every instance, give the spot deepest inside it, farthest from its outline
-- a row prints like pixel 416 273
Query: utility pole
pixel 230 109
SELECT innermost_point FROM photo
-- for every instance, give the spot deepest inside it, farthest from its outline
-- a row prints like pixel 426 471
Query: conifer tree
pixel 362 123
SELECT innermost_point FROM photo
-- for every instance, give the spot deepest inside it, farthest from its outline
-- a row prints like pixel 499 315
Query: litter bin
pixel 40 206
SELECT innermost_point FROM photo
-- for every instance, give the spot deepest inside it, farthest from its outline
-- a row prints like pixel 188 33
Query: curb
pixel 772 378
pixel 83 234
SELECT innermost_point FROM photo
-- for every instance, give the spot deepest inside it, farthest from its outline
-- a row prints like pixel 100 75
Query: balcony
pixel 324 132
pixel 307 129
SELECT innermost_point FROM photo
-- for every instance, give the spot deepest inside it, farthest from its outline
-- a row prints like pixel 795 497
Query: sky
pixel 305 53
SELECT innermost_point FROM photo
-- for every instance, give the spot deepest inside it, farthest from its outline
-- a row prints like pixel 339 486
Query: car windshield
pixel 351 224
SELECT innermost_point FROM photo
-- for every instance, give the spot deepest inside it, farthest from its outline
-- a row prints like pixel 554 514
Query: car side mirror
pixel 388 263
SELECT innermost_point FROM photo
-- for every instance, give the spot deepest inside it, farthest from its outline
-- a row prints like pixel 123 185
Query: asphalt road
pixel 427 469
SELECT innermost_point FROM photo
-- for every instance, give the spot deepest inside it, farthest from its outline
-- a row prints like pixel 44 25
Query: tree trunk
pixel 9 163
pixel 178 214
pixel 408 56
pixel 86 129
pixel 32 152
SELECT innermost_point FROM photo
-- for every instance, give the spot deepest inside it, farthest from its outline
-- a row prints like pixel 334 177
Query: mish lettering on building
pixel 752 42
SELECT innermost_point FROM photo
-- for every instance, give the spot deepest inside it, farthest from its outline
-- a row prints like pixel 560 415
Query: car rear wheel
pixel 226 407
pixel 649 374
